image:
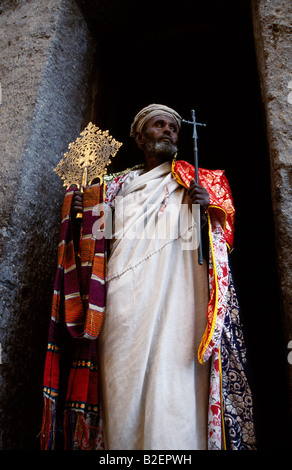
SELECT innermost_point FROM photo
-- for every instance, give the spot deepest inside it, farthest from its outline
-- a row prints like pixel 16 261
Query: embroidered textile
pixel 219 191
pixel 77 306
pixel 223 314
pixel 218 258
pixel 237 396
pixel 210 344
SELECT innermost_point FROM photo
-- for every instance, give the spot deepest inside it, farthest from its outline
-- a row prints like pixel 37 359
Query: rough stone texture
pixel 272 21
pixel 46 55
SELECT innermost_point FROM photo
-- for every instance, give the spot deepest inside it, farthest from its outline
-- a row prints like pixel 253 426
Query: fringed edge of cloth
pixel 48 430
pixel 76 322
pixel 83 430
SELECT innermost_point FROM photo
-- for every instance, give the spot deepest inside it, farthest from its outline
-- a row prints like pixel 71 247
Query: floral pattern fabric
pixel 230 415
pixel 237 396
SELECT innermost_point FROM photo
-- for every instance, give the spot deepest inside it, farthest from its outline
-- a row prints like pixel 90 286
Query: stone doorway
pixel 201 55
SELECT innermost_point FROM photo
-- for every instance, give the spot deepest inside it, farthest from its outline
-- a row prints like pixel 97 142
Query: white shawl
pixel 155 392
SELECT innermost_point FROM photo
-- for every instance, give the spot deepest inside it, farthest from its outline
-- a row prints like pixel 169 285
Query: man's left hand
pixel 199 195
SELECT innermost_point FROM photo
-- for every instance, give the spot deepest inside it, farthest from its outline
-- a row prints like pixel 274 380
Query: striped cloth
pixel 77 314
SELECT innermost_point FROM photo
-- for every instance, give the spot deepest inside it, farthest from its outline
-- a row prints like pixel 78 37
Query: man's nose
pixel 167 129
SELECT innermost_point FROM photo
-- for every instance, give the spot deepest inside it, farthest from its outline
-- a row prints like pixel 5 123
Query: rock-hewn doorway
pixel 201 55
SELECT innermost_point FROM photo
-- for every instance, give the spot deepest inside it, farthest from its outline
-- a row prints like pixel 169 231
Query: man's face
pixel 159 135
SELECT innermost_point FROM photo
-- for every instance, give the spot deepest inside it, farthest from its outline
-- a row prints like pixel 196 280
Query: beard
pixel 161 149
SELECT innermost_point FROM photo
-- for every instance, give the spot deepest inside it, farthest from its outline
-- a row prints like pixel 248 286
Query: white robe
pixel 155 392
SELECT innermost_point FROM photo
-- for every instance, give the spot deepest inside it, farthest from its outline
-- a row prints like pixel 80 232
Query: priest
pixel 171 352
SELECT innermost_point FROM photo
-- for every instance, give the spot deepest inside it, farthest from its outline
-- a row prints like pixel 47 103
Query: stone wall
pixel 272 21
pixel 46 56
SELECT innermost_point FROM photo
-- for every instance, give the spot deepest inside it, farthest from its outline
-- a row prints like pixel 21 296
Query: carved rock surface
pixel 46 56
pixel 272 21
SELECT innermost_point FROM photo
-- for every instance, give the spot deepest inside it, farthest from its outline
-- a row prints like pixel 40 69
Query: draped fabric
pixel 76 318
pixel 155 390
pixel 230 415
pixel 236 392
pixel 81 284
pixel 217 185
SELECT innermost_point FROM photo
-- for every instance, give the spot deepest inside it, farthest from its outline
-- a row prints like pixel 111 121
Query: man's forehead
pixel 161 117
pixel 149 112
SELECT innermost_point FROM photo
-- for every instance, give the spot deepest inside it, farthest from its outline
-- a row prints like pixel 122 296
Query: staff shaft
pixel 196 166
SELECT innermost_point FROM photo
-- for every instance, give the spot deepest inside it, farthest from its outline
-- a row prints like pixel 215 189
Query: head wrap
pixel 150 111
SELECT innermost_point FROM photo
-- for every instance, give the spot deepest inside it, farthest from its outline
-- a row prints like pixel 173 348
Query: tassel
pixel 81 435
pixel 82 431
pixel 47 435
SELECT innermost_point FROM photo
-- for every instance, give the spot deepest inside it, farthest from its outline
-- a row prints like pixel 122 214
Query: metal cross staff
pixel 196 165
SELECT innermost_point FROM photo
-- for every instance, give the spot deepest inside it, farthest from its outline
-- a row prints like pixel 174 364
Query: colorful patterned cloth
pixel 77 309
pixel 230 417
pixel 78 303
pixel 236 393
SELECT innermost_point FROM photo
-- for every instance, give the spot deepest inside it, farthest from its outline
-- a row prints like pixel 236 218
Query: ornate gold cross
pixel 87 157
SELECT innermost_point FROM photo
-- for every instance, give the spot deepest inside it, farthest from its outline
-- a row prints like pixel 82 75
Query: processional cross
pixel 87 157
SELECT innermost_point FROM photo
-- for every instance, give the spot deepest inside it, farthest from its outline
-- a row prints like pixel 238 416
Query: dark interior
pixel 200 55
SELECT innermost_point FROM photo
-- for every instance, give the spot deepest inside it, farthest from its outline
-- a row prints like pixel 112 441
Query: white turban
pixel 150 111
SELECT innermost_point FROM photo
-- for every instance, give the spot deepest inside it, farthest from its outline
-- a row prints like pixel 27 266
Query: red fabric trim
pixel 217 185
